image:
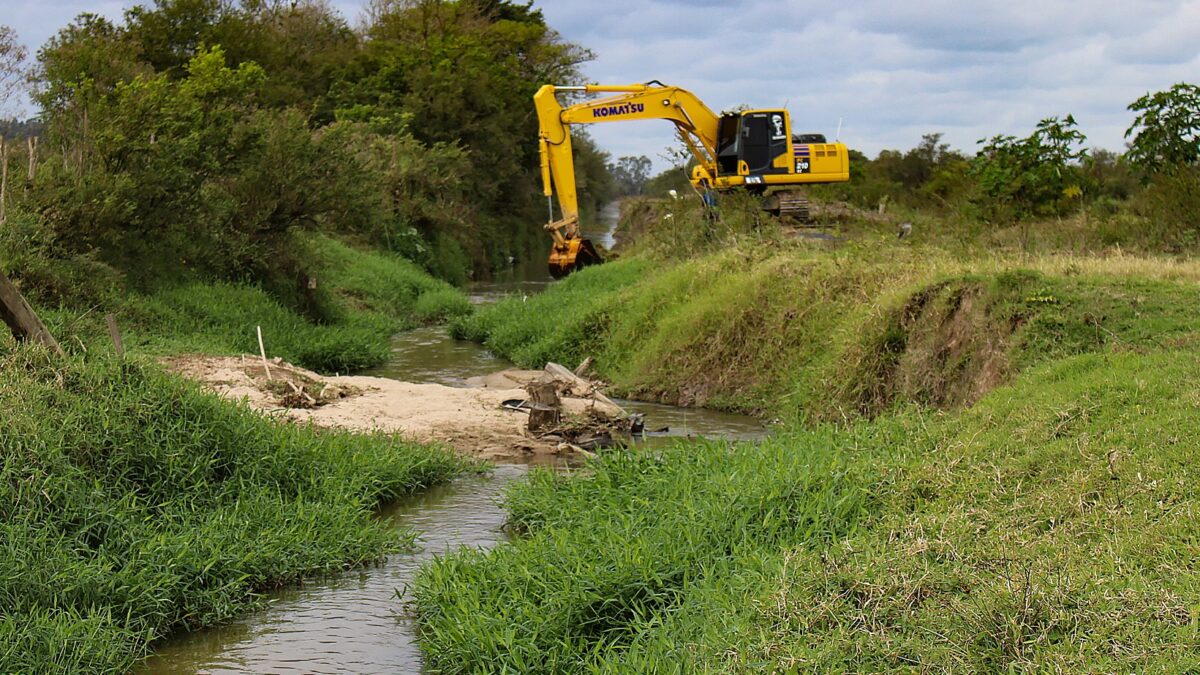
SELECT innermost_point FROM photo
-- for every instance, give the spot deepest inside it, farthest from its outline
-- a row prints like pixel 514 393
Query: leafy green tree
pixel 1023 177
pixel 190 176
pixel 465 72
pixel 301 45
pixel 1166 131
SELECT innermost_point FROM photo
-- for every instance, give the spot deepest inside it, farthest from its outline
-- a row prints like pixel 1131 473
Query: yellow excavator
pixel 753 150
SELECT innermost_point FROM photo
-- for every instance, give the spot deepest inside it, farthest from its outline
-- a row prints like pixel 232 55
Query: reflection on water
pixel 602 232
pixel 429 354
pixel 695 423
pixel 351 622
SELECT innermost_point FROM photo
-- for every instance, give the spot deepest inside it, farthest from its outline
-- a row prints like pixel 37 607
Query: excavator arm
pixel 696 123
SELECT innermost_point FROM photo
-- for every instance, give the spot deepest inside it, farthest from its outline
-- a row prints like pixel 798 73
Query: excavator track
pixel 788 205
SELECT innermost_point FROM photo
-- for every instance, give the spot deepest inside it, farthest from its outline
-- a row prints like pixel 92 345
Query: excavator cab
pixel 756 143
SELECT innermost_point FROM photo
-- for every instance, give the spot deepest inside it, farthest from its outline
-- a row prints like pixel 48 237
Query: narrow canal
pixel 356 622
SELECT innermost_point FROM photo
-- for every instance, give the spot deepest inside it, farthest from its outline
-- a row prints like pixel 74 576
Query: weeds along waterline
pixel 1049 527
pixel 133 504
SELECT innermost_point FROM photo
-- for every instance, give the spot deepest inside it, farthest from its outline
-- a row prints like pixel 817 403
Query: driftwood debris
pixel 594 426
pixel 21 318
pixel 578 386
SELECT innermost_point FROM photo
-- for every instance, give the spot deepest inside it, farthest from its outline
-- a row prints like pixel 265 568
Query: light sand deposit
pixel 471 420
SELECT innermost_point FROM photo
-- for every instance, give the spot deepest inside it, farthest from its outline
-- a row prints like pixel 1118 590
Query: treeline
pixel 1149 192
pixel 197 137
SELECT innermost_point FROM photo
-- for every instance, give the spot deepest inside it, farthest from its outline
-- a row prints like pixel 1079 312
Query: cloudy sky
pixel 890 71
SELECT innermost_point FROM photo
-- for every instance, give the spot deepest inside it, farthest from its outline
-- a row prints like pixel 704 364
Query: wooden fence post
pixel 115 333
pixel 21 318
pixel 3 179
pixel 32 142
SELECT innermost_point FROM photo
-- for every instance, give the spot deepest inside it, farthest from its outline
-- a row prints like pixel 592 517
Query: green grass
pixel 794 332
pixel 609 550
pixel 133 504
pixel 1049 528
pixel 987 466
pixel 363 299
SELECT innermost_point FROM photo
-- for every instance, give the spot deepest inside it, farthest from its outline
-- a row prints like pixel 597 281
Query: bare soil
pixel 472 420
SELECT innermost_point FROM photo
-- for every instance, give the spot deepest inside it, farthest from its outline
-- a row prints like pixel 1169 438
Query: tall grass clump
pixel 1044 530
pixel 132 504
pixel 605 554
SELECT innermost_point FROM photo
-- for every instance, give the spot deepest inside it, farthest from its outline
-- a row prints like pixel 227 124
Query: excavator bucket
pixel 571 255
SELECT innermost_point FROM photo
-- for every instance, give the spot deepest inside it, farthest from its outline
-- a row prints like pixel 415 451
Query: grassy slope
pixel 365 297
pixel 133 504
pixel 1048 527
pixel 801 332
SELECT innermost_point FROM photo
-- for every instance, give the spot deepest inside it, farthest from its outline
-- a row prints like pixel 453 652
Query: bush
pixel 1170 205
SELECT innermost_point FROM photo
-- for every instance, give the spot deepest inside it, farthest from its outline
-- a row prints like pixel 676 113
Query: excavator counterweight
pixel 752 150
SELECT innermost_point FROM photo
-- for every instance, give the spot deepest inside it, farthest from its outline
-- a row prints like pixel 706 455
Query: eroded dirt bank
pixel 471 420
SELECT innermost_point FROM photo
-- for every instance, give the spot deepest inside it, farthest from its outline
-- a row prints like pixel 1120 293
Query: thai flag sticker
pixel 801 151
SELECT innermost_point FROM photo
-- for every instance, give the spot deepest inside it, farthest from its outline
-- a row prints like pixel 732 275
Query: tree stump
pixel 543 411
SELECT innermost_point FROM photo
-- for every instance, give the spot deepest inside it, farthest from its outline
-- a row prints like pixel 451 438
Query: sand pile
pixel 472 420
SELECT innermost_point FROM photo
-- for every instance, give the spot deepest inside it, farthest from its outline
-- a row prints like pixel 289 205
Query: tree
pixel 12 66
pixel 1023 177
pixel 631 174
pixel 465 73
pixel 1166 131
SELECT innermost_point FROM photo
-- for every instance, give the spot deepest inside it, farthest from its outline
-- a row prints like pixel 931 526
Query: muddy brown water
pixel 355 622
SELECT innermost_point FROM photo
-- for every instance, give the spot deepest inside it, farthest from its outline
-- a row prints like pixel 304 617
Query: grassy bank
pixel 361 298
pixel 984 467
pixel 1049 528
pixel 802 332
pixel 132 504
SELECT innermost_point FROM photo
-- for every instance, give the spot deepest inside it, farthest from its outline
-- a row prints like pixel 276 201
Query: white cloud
pixel 893 71
pixel 890 70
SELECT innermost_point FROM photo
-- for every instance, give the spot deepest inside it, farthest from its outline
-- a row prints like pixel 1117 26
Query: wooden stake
pixel 115 333
pixel 263 351
pixel 21 318
pixel 3 179
pixel 32 140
